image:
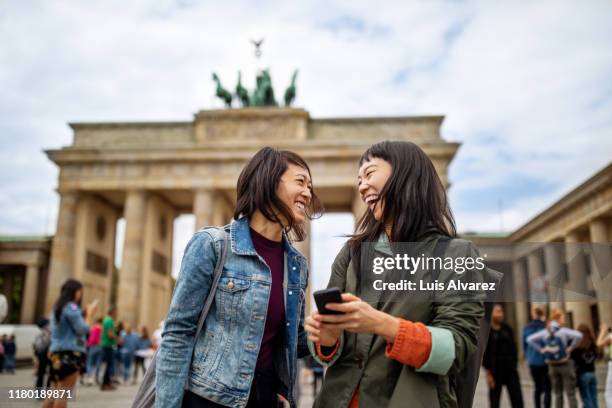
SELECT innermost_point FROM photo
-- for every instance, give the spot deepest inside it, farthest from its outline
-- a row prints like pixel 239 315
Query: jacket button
pixel 290 292
pixel 293 268
pixel 230 285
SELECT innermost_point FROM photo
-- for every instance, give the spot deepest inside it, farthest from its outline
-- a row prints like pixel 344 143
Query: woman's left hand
pixel 360 317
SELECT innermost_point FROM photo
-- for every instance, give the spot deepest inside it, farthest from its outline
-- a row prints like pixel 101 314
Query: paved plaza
pixel 92 397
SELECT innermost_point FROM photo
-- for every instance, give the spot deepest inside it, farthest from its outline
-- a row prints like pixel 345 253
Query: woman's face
pixel 373 175
pixel 294 190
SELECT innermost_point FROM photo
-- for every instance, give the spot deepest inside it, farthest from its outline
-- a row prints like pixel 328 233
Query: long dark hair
pixel 414 200
pixel 257 186
pixel 67 294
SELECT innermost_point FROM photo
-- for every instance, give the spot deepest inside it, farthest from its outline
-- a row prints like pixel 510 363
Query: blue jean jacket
pixel 225 353
pixel 69 334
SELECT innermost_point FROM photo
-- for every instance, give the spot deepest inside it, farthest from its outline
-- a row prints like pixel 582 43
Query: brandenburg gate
pixel 151 172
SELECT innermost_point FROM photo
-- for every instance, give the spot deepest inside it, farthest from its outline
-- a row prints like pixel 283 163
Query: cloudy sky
pixel 526 87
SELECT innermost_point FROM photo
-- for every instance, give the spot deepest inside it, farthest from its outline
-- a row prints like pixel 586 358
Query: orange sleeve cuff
pixel 412 344
pixel 329 356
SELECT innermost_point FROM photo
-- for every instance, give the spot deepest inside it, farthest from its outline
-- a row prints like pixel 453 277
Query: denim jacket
pixel 225 353
pixel 71 331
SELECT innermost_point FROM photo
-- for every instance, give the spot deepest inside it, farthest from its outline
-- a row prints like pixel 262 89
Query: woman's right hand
pixel 322 333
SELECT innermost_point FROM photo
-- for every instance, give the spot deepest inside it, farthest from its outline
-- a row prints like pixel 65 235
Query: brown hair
pixel 257 186
pixel 538 311
pixel 588 338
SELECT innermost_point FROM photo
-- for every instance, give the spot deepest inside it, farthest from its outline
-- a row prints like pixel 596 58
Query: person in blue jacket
pixel 69 329
pixel 535 359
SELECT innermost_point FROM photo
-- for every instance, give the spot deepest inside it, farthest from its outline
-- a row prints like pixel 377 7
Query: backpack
pixel 554 349
pixel 42 342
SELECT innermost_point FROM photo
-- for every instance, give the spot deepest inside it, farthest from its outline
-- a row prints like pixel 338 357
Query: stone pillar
pixel 576 269
pixel 203 208
pixel 602 269
pixel 537 283
pixel 62 259
pixel 555 277
pixel 520 288
pixel 155 279
pixel 358 206
pixel 30 290
pixel 219 209
pixel 94 249
pixel 130 275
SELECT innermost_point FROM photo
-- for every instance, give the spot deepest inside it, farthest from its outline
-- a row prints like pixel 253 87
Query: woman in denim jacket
pixel 246 354
pixel 69 329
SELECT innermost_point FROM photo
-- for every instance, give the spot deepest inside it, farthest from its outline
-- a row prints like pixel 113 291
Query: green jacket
pixel 384 382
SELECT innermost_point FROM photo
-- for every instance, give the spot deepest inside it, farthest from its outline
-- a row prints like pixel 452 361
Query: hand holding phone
pixel 325 296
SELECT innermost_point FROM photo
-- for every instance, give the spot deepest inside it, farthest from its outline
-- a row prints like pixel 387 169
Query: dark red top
pixel 272 252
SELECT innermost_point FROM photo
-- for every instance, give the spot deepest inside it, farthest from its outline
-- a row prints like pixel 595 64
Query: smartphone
pixel 325 296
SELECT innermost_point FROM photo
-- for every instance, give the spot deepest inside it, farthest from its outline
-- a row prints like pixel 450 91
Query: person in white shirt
pixel 556 343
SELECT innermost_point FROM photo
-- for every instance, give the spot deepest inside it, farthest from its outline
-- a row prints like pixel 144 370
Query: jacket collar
pixel 240 236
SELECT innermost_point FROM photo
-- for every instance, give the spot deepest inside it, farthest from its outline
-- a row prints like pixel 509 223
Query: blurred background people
pixel 604 340
pixel 94 353
pixel 584 356
pixel 556 343
pixel 500 361
pixel 108 340
pixel 41 349
pixel 535 359
pixel 129 344
pixel 69 328
pixel 142 352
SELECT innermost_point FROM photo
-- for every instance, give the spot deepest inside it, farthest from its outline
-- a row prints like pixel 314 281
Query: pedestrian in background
pixel 129 345
pixel 556 343
pixel 584 356
pixel 41 349
pixel 500 361
pixel 535 359
pixel 10 353
pixel 605 340
pixel 108 339
pixel 69 329
pixel 94 353
pixel 143 351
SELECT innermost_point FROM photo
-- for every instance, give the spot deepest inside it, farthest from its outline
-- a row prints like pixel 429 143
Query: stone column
pixel 554 274
pixel 537 288
pixel 520 288
pixel 602 269
pixel 576 268
pixel 203 208
pixel 132 263
pixel 30 299
pixel 358 206
pixel 155 277
pixel 62 256
pixel 219 209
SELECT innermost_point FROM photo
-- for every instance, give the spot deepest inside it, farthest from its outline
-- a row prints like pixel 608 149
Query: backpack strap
pixel 215 281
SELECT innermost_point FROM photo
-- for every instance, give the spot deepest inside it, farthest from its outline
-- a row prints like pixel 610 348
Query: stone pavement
pixel 92 397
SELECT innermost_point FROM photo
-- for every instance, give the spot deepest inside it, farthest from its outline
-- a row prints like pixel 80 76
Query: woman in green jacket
pixel 396 348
